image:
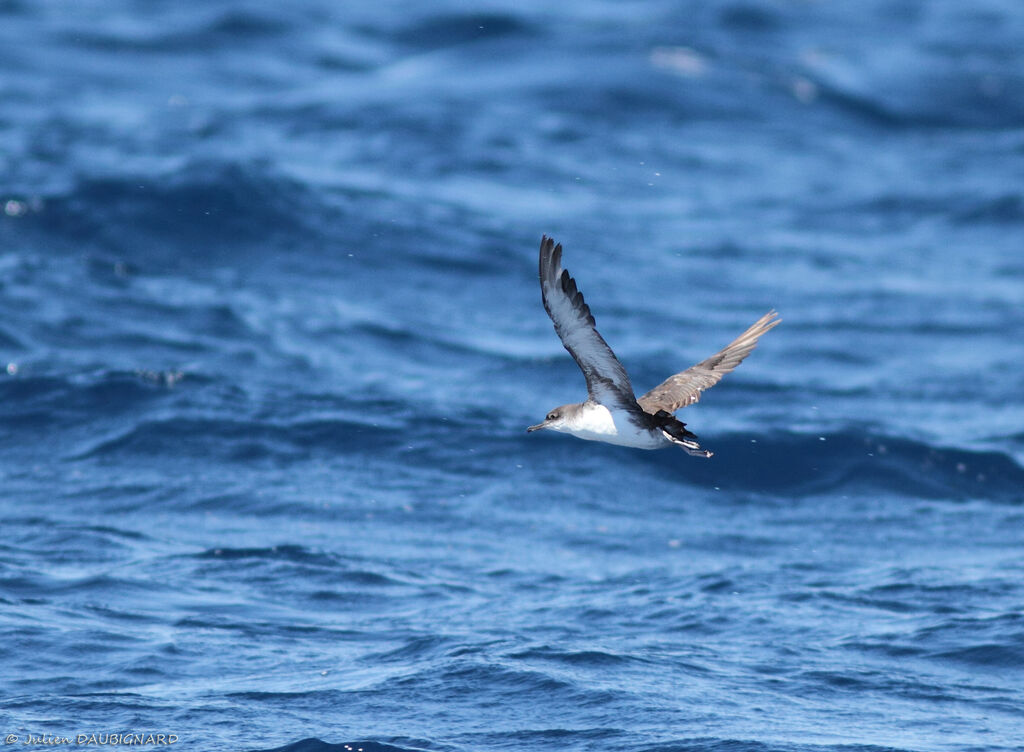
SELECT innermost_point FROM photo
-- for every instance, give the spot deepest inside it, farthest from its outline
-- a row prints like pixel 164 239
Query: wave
pixel 927 99
pixel 602 738
pixel 125 414
pixel 318 745
pixel 713 744
pixel 200 31
pixel 308 563
pixel 599 659
pixel 202 208
pixel 242 440
pixel 449 29
pixel 54 403
pixel 851 462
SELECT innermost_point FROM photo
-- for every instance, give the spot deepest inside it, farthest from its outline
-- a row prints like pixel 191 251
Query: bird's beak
pixel 537 427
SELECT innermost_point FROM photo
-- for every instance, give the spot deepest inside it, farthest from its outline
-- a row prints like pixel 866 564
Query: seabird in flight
pixel 611 412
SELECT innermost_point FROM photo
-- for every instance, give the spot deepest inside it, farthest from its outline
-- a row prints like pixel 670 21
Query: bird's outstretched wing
pixel 684 388
pixel 607 381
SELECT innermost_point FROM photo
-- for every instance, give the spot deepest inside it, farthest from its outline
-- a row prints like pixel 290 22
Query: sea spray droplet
pixel 14 208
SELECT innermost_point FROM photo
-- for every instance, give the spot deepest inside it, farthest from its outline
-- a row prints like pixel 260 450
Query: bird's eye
pixel 552 416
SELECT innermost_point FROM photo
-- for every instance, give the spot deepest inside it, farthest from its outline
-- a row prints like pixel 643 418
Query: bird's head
pixel 557 419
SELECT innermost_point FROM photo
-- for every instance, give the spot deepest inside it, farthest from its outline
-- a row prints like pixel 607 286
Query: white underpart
pixel 597 423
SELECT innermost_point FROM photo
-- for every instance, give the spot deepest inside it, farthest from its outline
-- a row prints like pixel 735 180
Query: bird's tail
pixel 675 431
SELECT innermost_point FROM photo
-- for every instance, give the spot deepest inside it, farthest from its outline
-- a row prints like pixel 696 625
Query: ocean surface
pixel 271 333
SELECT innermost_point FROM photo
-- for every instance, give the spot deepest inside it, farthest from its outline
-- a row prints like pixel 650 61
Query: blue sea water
pixel 270 334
